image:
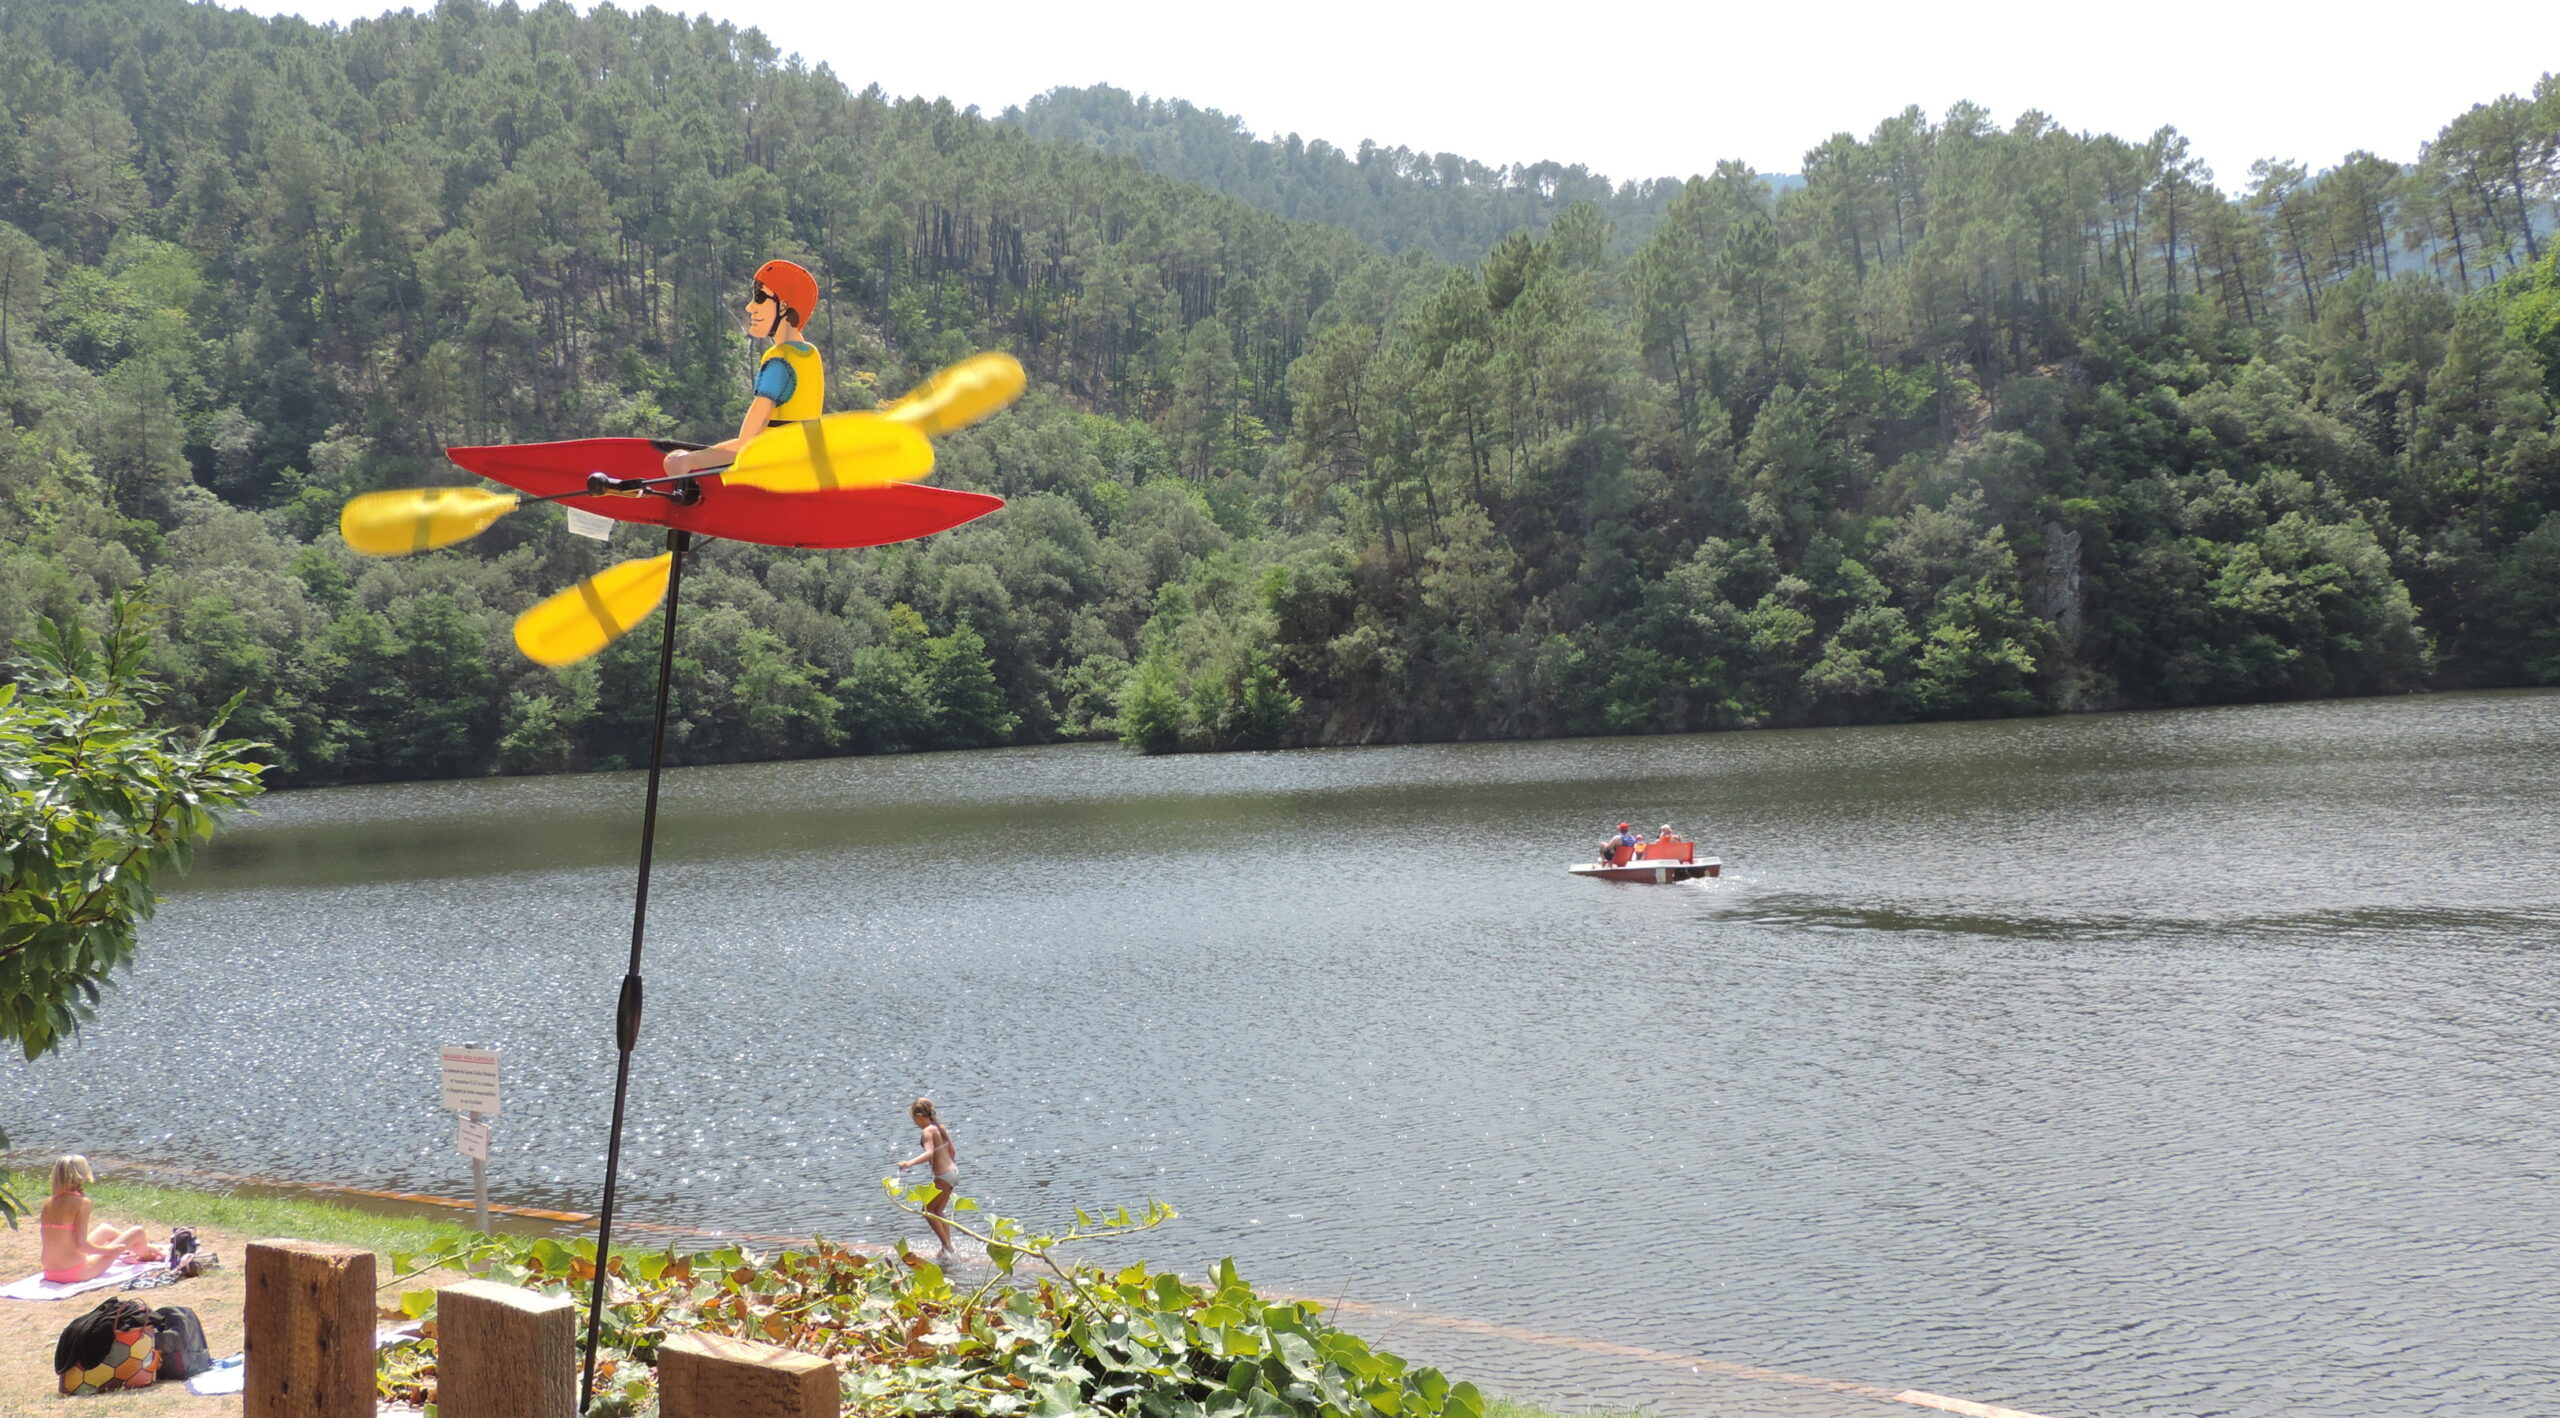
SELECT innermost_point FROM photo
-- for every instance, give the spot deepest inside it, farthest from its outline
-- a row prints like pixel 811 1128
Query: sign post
pixel 471 1089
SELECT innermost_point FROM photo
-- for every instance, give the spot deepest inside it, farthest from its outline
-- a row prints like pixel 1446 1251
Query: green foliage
pixel 1151 708
pixel 1974 420
pixel 2532 299
pixel 94 804
pixel 1394 198
pixel 1072 1339
pixel 961 682
pixel 1210 679
pixel 2520 610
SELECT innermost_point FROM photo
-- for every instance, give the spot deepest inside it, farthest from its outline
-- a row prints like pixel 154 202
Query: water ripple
pixel 2169 1065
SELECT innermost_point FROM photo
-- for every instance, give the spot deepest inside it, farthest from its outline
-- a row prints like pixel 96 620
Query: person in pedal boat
pixel 73 1250
pixel 791 383
pixel 1613 848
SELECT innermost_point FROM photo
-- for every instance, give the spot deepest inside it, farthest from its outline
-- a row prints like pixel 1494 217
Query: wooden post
pixel 505 1352
pixel 706 1376
pixel 309 1323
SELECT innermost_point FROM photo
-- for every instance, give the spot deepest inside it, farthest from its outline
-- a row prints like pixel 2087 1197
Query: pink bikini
pixel 72 1275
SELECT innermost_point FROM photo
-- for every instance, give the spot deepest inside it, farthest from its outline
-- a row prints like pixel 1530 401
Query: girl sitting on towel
pixel 73 1250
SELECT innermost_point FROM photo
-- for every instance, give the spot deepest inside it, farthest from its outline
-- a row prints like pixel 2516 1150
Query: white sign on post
pixel 470 1080
pixel 471 1089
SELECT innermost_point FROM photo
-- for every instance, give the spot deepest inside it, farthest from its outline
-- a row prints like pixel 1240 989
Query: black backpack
pixel 183 1351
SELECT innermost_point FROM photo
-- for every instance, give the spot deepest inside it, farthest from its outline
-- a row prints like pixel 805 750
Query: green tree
pixel 1978 658
pixel 1151 704
pixel 1264 710
pixel 534 737
pixel 442 726
pixel 1787 468
pixel 2521 608
pixel 94 805
pixel 22 292
pixel 2532 304
pixel 968 705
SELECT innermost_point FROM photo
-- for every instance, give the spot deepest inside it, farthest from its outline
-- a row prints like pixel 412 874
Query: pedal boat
pixel 1655 862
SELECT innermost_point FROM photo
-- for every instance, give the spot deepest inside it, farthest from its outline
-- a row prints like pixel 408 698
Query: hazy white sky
pixel 1651 89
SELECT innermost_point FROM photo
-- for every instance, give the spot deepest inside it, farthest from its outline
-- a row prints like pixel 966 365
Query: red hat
pixel 792 285
pixel 1622 827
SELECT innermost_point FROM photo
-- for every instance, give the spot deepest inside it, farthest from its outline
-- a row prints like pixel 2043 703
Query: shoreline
pixel 1354 746
pixel 370 1217
pixel 227 1221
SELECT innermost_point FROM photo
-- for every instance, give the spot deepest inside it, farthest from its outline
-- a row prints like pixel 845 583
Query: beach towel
pixel 36 1287
pixel 226 1376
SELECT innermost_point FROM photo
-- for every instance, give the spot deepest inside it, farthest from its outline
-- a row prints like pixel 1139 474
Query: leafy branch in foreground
pixel 94 803
pixel 1078 1340
pixel 1008 1243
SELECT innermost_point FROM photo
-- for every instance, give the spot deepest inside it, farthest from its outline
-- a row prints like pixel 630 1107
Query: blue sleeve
pixel 775 380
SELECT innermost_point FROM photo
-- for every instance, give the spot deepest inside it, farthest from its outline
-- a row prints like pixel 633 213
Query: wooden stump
pixel 505 1352
pixel 309 1322
pixel 706 1376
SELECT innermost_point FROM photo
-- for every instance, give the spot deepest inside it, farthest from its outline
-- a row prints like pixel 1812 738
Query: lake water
pixel 2165 1064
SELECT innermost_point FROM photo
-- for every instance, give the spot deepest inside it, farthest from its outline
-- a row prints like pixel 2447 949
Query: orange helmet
pixel 793 286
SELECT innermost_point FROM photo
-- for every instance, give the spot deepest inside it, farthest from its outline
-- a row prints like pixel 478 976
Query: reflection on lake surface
pixel 2190 1063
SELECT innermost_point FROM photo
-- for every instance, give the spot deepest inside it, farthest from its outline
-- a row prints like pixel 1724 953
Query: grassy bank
pixel 309 1218
pixel 302 1218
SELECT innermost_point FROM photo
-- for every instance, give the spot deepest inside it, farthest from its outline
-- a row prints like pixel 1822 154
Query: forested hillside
pixel 1392 198
pixel 1983 420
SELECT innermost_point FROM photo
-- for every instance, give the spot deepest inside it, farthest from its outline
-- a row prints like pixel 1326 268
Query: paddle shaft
pixel 617 485
pixel 627 1012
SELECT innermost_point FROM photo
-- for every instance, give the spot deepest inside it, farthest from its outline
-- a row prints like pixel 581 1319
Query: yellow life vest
pixel 809 388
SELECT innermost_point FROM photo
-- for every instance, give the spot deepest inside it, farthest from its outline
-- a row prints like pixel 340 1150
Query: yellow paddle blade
pixel 856 449
pixel 585 618
pixel 402 520
pixel 960 395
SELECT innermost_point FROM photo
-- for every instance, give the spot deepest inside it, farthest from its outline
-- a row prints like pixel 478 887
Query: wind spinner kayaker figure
pixel 791 381
pixel 794 476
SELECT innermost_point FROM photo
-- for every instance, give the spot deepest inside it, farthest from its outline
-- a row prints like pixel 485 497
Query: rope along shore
pixel 1724 1368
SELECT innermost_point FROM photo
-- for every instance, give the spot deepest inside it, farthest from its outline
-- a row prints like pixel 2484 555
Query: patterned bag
pixel 113 1346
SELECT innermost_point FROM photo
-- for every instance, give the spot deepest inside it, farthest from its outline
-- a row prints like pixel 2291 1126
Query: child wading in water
pixel 945 1161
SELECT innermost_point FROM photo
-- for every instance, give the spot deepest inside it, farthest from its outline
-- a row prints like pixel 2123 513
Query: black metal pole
pixel 626 1021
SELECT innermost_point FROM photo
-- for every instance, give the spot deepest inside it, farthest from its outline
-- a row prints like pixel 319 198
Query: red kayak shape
pixel 848 517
